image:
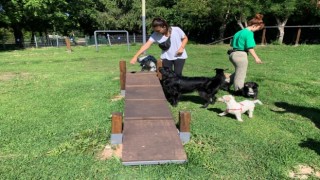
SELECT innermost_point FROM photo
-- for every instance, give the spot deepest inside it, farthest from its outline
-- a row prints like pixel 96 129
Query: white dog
pixel 236 108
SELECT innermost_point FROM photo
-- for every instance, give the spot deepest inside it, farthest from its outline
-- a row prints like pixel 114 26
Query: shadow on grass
pixel 311 144
pixel 311 113
pixel 218 111
pixel 192 98
pixel 195 99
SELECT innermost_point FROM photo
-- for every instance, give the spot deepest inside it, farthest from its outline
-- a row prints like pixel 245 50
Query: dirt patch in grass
pixel 115 78
pixel 7 76
pixel 111 151
pixel 117 98
pixel 304 172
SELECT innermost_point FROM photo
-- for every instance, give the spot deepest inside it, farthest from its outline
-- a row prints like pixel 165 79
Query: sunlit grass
pixel 56 106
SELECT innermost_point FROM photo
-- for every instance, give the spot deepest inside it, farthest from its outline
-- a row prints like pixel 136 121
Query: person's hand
pixel 133 60
pixel 179 52
pixel 258 61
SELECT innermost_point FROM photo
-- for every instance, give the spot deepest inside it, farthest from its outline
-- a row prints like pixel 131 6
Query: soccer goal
pixel 109 31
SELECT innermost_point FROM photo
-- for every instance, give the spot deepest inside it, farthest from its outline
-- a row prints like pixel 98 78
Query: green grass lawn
pixel 56 106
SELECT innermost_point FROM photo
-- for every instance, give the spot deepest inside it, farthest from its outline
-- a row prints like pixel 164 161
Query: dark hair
pixel 257 20
pixel 160 22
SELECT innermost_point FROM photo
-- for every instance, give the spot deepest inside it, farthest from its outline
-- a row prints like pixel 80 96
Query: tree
pixel 12 16
pixel 81 15
pixel 307 12
pixel 281 10
pixel 28 14
pixel 221 12
pixel 243 9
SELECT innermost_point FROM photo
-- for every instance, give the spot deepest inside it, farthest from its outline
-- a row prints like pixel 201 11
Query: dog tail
pixel 257 101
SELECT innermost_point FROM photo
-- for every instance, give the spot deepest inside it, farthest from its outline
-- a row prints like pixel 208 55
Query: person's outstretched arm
pixel 141 50
pixel 255 56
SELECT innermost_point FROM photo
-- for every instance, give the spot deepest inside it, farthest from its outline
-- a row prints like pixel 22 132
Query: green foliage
pixel 244 9
pixel 205 18
pixel 56 106
pixel 4 35
pixel 280 8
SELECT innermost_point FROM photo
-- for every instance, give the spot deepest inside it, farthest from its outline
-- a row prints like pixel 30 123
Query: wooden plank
pixel 142 78
pixel 151 142
pixel 150 135
pixel 148 92
pixel 146 109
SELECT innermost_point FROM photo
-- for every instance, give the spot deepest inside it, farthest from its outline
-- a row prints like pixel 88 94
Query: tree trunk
pixel 222 29
pixel 18 35
pixel 281 25
pixel 223 26
pixel 240 23
pixel 32 42
pixel 240 20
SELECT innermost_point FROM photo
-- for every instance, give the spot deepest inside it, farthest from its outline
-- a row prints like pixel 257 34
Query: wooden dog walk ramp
pixel 150 135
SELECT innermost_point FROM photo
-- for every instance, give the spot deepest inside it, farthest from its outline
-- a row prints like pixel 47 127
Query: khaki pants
pixel 239 59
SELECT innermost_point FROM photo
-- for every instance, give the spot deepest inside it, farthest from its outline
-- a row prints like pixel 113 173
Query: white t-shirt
pixel 176 40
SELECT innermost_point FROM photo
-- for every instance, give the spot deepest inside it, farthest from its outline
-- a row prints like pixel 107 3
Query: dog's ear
pixel 227 98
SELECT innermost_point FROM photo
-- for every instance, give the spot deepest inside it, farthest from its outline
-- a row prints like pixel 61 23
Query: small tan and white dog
pixel 238 108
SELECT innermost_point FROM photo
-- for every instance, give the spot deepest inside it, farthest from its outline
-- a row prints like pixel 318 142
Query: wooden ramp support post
pixel 116 128
pixel 68 44
pixel 159 65
pixel 298 37
pixel 123 71
pixel 184 121
pixel 263 39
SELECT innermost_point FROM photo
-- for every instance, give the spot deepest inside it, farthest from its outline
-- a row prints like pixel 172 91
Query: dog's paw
pixel 240 120
pixel 204 106
pixel 174 104
pixel 222 114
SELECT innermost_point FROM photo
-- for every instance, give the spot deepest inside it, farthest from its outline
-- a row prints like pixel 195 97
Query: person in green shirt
pixel 242 43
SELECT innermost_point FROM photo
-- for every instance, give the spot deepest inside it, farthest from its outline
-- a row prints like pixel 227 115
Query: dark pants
pixel 176 64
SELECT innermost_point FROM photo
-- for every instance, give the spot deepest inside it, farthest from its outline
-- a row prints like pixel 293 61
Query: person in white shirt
pixel 172 41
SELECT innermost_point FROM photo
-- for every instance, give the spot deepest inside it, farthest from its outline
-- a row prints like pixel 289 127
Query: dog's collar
pixel 240 109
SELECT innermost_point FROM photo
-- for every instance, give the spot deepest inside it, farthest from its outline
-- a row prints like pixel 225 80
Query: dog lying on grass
pixel 236 108
pixel 174 86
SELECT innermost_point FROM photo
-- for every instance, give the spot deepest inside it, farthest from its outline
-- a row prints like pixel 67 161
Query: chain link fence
pixel 58 41
pixel 294 35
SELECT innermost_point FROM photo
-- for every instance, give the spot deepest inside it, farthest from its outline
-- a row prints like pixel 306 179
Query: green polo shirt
pixel 243 40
